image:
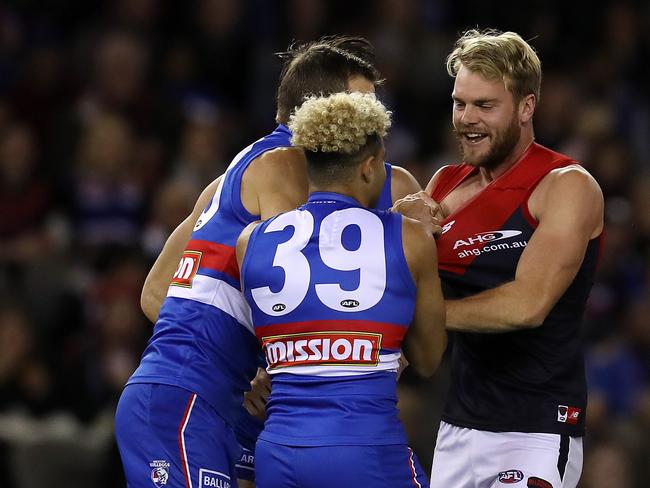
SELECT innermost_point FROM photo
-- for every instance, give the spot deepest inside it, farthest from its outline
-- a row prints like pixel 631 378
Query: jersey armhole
pixel 532 221
pixel 398 256
pixel 245 260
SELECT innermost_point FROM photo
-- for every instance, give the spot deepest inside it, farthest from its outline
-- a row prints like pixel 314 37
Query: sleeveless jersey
pixel 331 298
pixel 203 340
pixel 522 381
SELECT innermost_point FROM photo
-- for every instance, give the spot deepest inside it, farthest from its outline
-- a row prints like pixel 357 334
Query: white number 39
pixel 369 258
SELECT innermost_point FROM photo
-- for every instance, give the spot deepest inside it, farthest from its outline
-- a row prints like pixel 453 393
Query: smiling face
pixel 486 119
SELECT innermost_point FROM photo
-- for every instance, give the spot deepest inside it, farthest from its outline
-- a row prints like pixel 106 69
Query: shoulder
pixel 282 158
pixel 572 181
pixel 402 183
pixel 438 175
pixel 569 190
pixel 418 242
pixel 275 182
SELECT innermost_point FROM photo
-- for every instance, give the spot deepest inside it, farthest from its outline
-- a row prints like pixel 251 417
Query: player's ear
pixel 527 108
pixel 367 168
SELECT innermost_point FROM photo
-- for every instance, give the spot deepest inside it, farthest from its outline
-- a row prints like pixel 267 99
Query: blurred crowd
pixel 114 116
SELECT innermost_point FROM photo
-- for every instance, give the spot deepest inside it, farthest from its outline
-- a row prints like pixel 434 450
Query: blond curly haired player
pixel 335 290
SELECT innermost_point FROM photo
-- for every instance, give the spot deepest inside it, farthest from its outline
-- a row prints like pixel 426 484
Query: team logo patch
pixel 159 472
pixel 534 482
pixel 213 479
pixel 447 227
pixel 322 348
pixel 511 476
pixel 187 269
pixel 279 307
pixel 349 303
pixel 483 237
pixel 568 415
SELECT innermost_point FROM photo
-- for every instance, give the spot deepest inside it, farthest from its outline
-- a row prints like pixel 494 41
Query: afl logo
pixel 511 476
pixel 349 303
pixel 278 307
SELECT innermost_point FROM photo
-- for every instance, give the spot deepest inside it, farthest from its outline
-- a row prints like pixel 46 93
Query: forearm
pixel 157 283
pixel 500 309
pixel 151 300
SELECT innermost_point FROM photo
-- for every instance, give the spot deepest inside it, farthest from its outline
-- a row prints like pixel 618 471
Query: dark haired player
pixel 179 409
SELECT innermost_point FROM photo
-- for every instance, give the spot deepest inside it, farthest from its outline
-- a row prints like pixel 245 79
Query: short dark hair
pixel 322 68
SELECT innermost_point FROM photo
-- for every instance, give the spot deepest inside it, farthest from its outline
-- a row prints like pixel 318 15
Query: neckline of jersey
pixel 283 128
pixel 330 196
pixel 494 183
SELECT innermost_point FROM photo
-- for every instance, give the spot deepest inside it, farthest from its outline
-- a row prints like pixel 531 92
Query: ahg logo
pixel 482 237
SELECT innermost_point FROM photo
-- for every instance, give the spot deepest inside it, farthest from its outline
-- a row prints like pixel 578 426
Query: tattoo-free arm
pixel 155 286
pixel 402 183
pixel 426 338
pixel 569 209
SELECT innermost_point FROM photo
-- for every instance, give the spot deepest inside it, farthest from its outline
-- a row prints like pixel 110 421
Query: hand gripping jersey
pixel 331 298
pixel 524 381
pixel 203 340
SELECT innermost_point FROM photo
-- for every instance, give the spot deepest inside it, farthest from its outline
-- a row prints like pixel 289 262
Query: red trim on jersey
pixel 414 475
pixel 478 221
pixel 392 334
pixel 448 179
pixel 217 257
pixel 181 442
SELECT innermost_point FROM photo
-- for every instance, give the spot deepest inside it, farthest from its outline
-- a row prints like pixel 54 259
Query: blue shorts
pixel 169 437
pixel 393 466
pixel 246 465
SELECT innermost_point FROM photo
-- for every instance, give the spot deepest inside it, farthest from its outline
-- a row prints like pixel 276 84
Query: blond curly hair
pixel 339 123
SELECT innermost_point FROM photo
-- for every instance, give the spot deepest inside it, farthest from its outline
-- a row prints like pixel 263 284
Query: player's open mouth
pixel 474 138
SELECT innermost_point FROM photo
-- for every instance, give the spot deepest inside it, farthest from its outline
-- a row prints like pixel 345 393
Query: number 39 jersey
pixel 331 297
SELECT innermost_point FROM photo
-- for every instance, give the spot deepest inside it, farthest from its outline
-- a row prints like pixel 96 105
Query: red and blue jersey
pixel 331 297
pixel 521 381
pixel 203 340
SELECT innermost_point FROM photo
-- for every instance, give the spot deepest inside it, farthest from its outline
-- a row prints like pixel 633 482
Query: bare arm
pixel 418 204
pixel 569 207
pixel 275 182
pixel 155 286
pixel 402 183
pixel 426 339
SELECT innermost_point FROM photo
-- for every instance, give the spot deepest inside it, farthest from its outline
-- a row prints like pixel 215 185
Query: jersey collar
pixel 331 197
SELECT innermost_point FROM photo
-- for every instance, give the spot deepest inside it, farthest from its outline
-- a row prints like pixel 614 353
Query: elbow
pixel 425 370
pixel 148 305
pixel 428 365
pixel 533 316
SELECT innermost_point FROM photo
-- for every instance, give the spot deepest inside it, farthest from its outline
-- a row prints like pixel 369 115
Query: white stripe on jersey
pixel 387 362
pixel 219 294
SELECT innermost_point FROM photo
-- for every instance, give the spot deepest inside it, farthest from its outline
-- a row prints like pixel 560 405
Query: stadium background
pixel 114 115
